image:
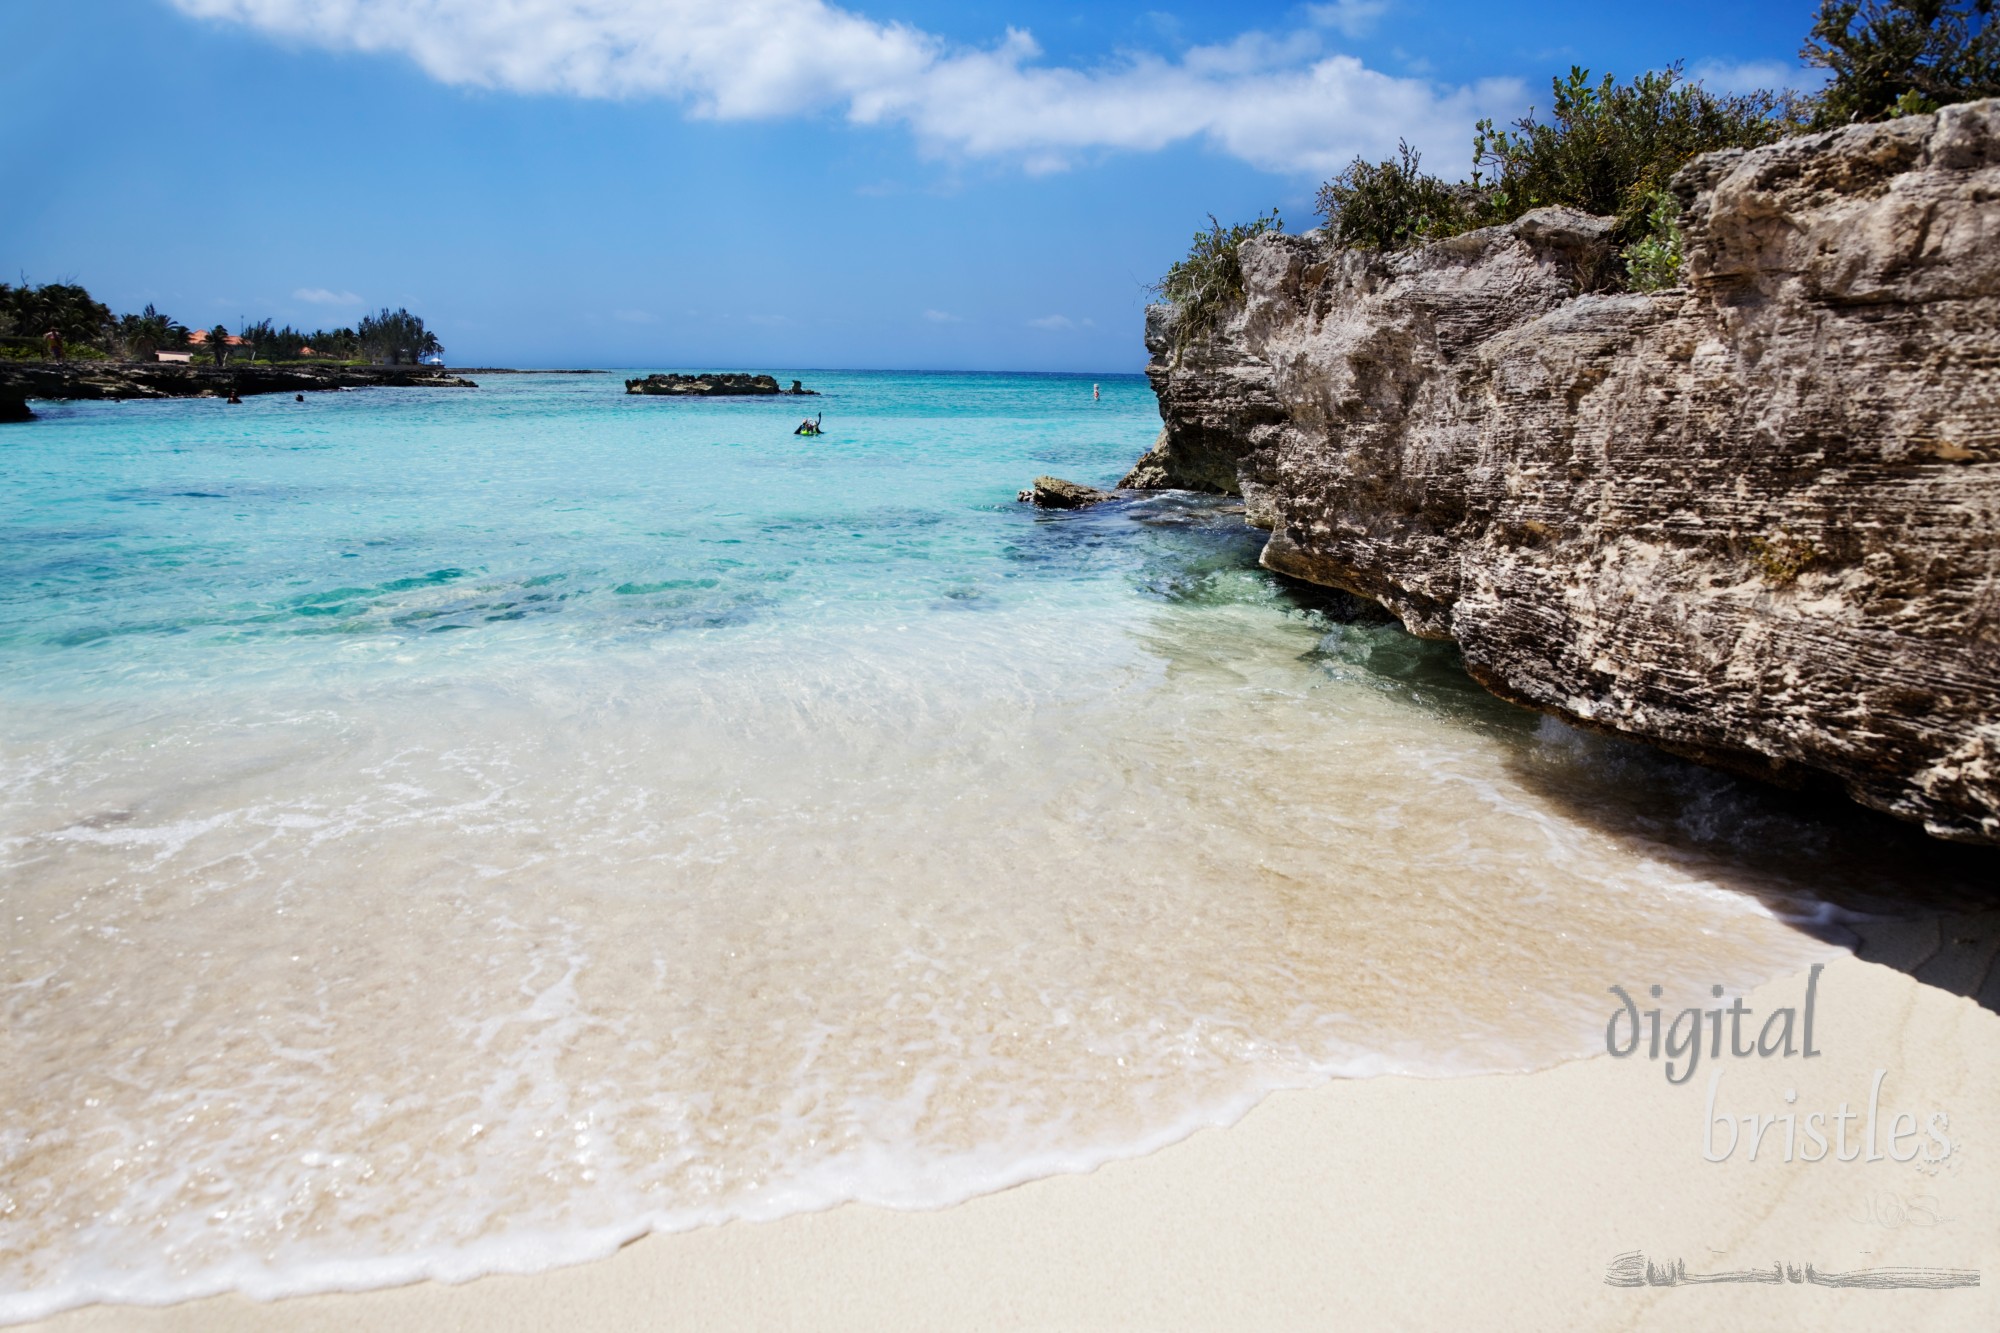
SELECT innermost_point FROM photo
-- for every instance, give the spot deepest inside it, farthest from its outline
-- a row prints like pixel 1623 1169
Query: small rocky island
pixel 712 385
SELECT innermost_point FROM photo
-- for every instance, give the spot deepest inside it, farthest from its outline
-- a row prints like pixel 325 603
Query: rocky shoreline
pixel 1753 520
pixel 107 380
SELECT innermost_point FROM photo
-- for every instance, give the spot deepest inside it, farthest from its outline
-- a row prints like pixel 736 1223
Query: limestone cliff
pixel 1754 520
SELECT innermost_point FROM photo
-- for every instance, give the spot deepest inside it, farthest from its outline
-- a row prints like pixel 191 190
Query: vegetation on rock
pixel 1607 149
pixel 1903 58
pixel 1611 149
pixel 1781 559
pixel 1210 279
pixel 1653 261
pixel 1393 204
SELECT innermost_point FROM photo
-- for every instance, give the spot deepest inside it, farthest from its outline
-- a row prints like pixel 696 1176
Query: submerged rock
pixel 14 407
pixel 1055 493
pixel 1754 520
pixel 708 385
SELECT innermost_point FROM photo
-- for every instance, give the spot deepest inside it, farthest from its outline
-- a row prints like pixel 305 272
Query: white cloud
pixel 322 296
pixel 1282 103
pixel 1351 18
pixel 1724 76
pixel 1052 322
pixel 943 317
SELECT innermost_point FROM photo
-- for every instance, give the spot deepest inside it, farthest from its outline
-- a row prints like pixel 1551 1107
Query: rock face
pixel 147 379
pixel 1055 493
pixel 1754 520
pixel 711 386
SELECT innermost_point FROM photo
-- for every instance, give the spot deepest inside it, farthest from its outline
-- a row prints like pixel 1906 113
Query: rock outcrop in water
pixel 1055 493
pixel 98 380
pixel 1754 520
pixel 709 385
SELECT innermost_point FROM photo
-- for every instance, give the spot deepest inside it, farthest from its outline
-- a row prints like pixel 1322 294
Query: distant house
pixel 307 351
pixel 181 358
pixel 434 359
pixel 198 340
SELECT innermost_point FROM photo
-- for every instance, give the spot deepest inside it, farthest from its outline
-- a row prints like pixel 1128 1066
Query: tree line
pixel 62 319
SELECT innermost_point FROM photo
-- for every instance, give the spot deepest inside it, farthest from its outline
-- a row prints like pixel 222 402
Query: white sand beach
pixel 1488 1202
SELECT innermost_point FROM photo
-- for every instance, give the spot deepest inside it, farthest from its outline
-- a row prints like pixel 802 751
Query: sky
pixel 758 184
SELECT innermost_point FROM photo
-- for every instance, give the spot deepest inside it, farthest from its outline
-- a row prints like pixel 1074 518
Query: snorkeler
pixel 810 427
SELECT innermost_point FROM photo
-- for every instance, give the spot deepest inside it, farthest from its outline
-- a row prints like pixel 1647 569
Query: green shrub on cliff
pixel 1902 58
pixel 1607 148
pixel 1210 279
pixel 1393 204
pixel 1654 260
pixel 1610 149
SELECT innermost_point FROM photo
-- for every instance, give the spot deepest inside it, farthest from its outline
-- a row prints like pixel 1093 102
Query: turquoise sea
pixel 455 831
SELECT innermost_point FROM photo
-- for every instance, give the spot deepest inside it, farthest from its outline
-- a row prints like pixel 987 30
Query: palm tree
pixel 61 308
pixel 147 332
pixel 260 338
pixel 218 341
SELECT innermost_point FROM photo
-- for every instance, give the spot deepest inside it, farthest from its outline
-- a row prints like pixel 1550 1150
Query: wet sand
pixel 1483 1202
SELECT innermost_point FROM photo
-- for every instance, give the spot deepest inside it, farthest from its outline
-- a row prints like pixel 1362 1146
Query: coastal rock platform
pixel 102 380
pixel 1753 520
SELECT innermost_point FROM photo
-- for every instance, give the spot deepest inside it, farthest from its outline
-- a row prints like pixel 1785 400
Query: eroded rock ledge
pixel 1754 520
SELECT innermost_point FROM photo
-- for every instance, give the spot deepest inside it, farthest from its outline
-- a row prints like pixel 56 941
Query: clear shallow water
pixel 446 833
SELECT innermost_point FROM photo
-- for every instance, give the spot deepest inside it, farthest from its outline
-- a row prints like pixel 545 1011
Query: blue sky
pixel 761 184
